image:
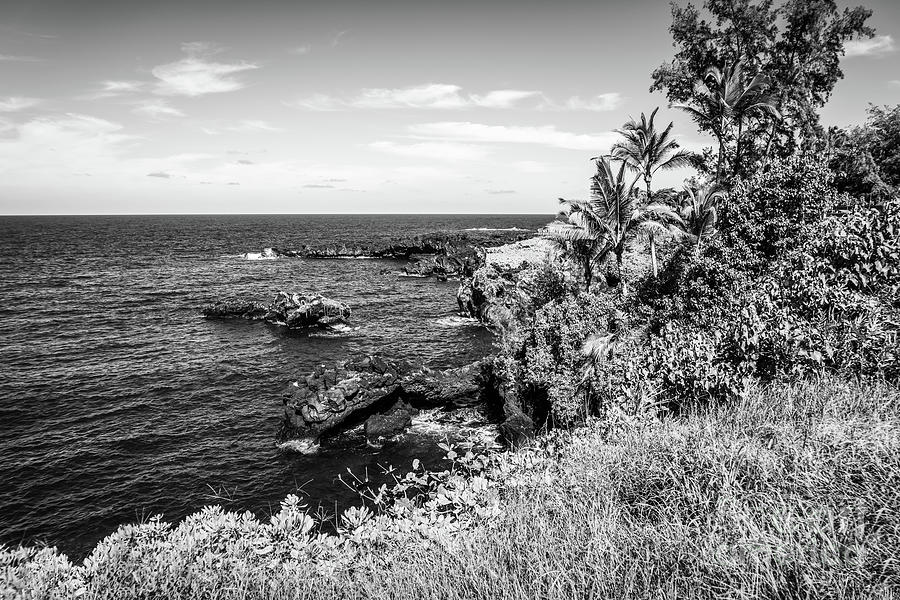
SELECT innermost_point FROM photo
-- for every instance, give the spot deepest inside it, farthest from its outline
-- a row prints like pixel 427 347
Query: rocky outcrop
pixel 450 388
pixel 495 289
pixel 489 296
pixel 335 398
pixel 442 267
pixel 383 395
pixel 456 244
pixel 295 311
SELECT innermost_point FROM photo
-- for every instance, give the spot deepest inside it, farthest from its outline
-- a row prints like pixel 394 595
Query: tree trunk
pixel 652 235
pixel 737 149
pixel 769 146
pixel 622 286
pixel 719 162
pixel 588 275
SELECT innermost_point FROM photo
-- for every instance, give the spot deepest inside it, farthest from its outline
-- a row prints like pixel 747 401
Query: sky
pixel 413 106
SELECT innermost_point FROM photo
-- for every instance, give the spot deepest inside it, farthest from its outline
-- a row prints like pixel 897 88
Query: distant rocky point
pixel 294 311
pixel 460 245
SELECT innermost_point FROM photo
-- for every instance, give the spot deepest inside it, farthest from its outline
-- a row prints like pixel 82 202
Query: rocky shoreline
pixel 383 395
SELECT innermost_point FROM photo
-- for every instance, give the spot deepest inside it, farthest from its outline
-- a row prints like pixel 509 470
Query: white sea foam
pixel 457 321
pixel 257 256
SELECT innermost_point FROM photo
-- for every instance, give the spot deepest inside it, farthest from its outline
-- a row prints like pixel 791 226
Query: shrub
pixel 553 360
pixel 776 210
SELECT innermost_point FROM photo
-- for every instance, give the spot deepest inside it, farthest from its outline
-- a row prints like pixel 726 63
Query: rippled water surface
pixel 118 401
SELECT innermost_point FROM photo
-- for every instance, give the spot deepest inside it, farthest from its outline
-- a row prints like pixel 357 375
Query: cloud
pixel 196 75
pixel 156 109
pixel 894 82
pixel 300 50
pixel 319 186
pixel 122 87
pixel 503 98
pixel 600 102
pixel 17 103
pixel 336 40
pixel 546 135
pixel 440 96
pixel 244 162
pixel 876 46
pixel 13 58
pixel 531 166
pixel 433 150
pixel 252 126
pixel 160 174
pixel 499 192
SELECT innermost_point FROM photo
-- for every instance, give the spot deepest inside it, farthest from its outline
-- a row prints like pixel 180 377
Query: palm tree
pixel 647 151
pixel 578 232
pixel 698 213
pixel 623 215
pixel 723 98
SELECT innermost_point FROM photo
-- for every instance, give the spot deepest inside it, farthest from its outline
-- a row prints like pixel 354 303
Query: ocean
pixel 118 401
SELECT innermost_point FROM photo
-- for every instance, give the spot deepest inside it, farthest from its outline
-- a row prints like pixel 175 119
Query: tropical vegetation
pixel 718 410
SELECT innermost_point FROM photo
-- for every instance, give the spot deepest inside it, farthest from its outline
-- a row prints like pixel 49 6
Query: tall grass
pixel 792 493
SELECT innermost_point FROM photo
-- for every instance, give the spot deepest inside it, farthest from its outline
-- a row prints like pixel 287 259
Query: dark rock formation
pixel 389 423
pixel 460 245
pixel 295 311
pixel 517 427
pixel 330 398
pixel 381 393
pixel 452 388
pixel 442 267
pixel 489 296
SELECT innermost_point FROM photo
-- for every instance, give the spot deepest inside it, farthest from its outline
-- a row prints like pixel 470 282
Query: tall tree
pixel 798 44
pixel 646 150
pixel 725 100
pixel 579 233
pixel 699 213
pixel 625 216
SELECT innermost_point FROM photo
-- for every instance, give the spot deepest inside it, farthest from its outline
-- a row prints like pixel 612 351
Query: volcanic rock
pixel 295 311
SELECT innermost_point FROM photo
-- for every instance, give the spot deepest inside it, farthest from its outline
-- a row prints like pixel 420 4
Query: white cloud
pixel 17 103
pixel 159 174
pixel 156 109
pixel 300 50
pixel 122 87
pixel 894 82
pixel 546 135
pixel 196 75
pixel 503 98
pixel 433 150
pixel 49 146
pixel 13 58
pixel 876 46
pixel 253 126
pixel 428 96
pixel 600 102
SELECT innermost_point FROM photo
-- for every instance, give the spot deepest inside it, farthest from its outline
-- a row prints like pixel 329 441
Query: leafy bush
pixel 862 248
pixel 776 210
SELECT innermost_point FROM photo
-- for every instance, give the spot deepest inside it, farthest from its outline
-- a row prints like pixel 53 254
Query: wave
pixel 258 256
pixel 457 321
pixel 496 229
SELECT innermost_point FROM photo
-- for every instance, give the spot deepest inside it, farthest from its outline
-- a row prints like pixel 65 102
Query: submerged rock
pixel 295 311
